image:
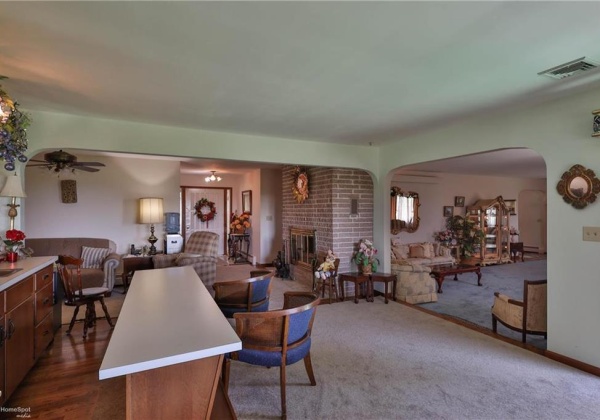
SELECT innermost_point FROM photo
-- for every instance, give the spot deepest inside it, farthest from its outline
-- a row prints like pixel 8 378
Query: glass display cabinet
pixel 491 216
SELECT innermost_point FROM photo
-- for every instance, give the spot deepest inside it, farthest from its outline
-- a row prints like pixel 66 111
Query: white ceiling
pixel 340 72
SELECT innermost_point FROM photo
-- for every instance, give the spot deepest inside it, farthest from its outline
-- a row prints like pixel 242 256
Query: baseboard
pixel 577 364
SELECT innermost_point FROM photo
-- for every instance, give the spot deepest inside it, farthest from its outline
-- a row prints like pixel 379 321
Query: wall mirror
pixel 404 212
pixel 247 201
pixel 578 186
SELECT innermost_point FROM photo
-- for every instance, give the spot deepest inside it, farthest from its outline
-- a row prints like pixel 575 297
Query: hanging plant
pixel 205 210
pixel 13 131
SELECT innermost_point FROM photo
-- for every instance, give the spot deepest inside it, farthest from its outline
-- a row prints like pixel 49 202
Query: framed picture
pixel 448 211
pixel 459 201
pixel 247 201
pixel 511 205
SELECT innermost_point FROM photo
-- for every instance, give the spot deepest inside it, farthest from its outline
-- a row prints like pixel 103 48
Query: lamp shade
pixel 151 210
pixel 12 187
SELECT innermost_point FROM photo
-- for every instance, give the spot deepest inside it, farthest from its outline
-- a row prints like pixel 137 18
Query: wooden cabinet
pixel 491 216
pixel 26 309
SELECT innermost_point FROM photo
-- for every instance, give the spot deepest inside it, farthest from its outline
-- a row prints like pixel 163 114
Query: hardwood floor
pixel 64 383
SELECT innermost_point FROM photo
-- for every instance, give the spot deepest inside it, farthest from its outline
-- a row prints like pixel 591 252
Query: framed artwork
pixel 68 189
pixel 511 205
pixel 247 201
pixel 448 211
pixel 300 185
pixel 459 201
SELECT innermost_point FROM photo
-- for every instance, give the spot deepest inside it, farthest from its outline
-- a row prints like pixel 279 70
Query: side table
pixel 385 278
pixel 358 279
pixel 131 265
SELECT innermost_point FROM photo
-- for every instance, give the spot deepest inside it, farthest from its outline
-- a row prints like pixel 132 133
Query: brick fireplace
pixel 327 211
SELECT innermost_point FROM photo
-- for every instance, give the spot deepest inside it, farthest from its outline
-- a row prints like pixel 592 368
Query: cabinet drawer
pixel 43 303
pixel 43 277
pixel 18 293
pixel 43 335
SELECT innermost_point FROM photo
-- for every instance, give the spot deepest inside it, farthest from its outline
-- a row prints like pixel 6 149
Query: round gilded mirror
pixel 404 211
pixel 578 186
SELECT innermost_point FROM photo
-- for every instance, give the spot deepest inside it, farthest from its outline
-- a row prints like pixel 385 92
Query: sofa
pixel 100 260
pixel 421 253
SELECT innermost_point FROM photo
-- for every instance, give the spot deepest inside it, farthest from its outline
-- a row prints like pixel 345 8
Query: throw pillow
pixel 396 242
pixel 401 252
pixel 417 251
pixel 428 250
pixel 93 257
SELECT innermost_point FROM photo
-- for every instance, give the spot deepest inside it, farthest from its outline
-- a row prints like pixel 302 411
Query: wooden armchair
pixel 75 295
pixel 245 295
pixel 277 338
pixel 528 316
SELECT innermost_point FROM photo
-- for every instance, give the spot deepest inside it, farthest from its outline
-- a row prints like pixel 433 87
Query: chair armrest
pixel 109 267
pixel 164 260
pixel 508 300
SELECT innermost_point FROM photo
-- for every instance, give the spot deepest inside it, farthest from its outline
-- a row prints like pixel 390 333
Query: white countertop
pixel 28 266
pixel 168 317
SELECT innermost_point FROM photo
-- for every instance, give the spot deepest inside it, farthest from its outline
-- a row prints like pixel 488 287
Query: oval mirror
pixel 578 186
pixel 404 212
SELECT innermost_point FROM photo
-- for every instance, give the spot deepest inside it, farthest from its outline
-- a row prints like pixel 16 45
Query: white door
pixel 531 209
pixel 193 223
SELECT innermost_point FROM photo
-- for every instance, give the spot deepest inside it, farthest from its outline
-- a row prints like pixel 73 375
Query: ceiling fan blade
pixel 85 168
pixel 40 161
pixel 87 164
pixel 40 164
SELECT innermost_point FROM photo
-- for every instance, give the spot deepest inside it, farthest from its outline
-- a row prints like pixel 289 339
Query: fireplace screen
pixel 303 245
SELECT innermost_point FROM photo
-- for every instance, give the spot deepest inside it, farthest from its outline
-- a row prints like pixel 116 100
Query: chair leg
pixel 494 323
pixel 330 289
pixel 89 318
pixel 73 320
pixel 282 386
pixel 106 315
pixel 309 369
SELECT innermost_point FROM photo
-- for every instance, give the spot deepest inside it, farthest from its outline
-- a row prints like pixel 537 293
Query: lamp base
pixel 152 239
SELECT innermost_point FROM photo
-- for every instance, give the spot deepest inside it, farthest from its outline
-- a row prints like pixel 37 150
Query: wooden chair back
pixel 244 295
pixel 535 306
pixel 70 274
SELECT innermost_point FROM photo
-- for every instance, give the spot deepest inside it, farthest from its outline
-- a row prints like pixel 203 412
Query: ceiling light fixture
pixel 212 178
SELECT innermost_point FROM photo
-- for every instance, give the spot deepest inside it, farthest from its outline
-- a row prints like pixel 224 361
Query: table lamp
pixel 12 188
pixel 151 211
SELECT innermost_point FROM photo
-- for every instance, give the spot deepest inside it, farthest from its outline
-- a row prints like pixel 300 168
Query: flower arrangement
pixel 365 256
pixel 513 230
pixel 14 240
pixel 445 237
pixel 240 222
pixel 205 210
pixel 13 131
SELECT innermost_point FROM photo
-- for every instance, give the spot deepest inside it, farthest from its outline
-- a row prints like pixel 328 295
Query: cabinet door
pixel 2 366
pixel 19 344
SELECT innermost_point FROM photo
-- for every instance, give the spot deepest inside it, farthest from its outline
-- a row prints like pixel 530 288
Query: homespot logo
pixel 20 410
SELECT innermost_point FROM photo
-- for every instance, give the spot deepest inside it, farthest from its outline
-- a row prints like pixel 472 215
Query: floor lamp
pixel 12 188
pixel 151 212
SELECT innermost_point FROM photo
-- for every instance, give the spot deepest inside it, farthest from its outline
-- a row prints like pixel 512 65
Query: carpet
pixel 378 361
pixel 465 300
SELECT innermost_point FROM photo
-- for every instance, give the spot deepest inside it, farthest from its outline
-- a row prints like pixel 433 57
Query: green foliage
pixel 467 233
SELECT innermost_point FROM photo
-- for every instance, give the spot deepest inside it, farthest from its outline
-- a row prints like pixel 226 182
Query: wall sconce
pixel 12 188
pixel 151 211
pixel 212 178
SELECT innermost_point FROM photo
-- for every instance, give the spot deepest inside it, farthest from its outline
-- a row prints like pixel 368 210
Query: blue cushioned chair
pixel 246 295
pixel 277 338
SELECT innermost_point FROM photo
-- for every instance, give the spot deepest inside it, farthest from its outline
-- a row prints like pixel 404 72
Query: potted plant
pixel 467 233
pixel 14 240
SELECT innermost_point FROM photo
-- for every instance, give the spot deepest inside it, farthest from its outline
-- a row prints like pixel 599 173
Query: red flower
pixel 15 235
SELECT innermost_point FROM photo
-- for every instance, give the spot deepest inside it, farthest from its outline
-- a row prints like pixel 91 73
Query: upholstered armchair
pixel 201 252
pixel 415 284
pixel 528 316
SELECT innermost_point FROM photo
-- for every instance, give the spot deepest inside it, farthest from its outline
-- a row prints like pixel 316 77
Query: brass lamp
pixel 151 211
pixel 12 188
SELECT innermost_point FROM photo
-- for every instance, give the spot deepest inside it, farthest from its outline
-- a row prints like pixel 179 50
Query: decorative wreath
pixel 300 187
pixel 203 203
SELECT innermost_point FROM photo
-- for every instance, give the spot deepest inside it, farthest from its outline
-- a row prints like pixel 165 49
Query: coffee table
pixel 440 271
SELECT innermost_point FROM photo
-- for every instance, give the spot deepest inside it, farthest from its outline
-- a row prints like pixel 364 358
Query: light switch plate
pixel 591 233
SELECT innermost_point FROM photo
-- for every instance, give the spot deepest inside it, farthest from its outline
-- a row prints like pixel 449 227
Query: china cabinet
pixel 492 217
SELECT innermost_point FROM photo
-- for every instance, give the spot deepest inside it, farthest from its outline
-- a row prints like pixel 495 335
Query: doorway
pixel 221 197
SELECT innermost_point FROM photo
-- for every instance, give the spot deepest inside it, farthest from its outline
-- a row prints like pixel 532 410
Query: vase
pixel 12 257
pixel 367 269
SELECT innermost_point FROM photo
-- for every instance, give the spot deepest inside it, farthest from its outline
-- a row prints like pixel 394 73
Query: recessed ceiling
pixel 339 72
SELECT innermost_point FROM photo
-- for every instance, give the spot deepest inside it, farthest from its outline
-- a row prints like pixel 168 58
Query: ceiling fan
pixel 59 160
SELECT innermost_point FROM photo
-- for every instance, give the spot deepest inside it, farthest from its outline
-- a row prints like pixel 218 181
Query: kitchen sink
pixel 8 271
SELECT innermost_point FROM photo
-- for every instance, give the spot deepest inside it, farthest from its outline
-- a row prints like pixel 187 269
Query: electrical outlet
pixel 591 233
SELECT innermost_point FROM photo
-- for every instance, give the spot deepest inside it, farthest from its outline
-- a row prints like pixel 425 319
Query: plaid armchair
pixel 201 252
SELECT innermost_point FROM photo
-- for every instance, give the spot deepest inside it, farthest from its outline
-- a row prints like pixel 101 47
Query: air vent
pixel 571 68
